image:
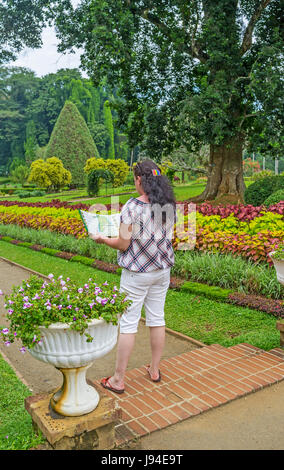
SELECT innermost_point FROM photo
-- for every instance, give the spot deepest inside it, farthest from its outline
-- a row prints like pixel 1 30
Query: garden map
pixel 101 224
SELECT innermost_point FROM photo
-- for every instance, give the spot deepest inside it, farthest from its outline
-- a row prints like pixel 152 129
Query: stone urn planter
pixel 278 262
pixel 66 326
pixel 279 266
pixel 69 352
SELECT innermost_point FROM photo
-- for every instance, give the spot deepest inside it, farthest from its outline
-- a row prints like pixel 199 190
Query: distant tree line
pixel 30 106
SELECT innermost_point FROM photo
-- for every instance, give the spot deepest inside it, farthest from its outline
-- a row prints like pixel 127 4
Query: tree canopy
pixel 189 73
pixel 21 24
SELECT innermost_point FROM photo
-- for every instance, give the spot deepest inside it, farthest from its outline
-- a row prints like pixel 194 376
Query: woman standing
pixel 146 256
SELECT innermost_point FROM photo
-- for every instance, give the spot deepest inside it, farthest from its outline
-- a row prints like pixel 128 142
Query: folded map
pixel 106 225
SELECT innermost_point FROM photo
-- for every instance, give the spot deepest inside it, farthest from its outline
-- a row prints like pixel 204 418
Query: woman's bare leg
pixel 157 342
pixel 125 346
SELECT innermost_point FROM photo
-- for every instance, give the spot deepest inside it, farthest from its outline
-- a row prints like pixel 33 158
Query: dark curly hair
pixel 156 187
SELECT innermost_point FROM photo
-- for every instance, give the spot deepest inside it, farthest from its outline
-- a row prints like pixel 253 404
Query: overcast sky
pixel 47 60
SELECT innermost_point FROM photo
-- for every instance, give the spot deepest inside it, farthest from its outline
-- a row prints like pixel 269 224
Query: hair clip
pixel 156 172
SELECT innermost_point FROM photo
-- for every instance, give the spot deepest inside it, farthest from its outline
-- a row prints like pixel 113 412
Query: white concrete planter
pixel 279 266
pixel 69 351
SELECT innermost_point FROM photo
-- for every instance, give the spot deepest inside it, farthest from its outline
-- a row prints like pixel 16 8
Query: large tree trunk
pixel 225 182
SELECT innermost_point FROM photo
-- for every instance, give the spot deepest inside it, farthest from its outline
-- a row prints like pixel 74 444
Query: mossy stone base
pixel 92 431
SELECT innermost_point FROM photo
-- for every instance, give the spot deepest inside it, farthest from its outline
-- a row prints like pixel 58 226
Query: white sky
pixel 47 59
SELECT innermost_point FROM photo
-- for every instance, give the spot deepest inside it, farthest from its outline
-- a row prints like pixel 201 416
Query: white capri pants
pixel 148 288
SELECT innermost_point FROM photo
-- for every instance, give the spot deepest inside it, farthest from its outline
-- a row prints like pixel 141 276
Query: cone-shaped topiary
pixel 72 142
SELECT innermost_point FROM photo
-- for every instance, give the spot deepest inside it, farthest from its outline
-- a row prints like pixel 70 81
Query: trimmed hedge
pixel 211 292
pixel 274 198
pixel 83 260
pixel 261 189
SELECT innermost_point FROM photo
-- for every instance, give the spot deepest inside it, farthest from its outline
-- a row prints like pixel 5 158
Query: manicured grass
pixel 208 321
pixel 182 192
pixel 212 322
pixel 16 432
pixel 46 264
pixel 69 195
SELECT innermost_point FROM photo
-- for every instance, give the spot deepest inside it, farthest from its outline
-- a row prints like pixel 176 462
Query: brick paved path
pixel 193 382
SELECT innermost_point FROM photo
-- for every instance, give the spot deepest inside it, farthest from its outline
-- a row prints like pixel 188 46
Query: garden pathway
pixel 194 380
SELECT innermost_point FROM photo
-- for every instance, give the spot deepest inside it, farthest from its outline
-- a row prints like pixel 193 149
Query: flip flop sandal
pixel 105 383
pixel 154 380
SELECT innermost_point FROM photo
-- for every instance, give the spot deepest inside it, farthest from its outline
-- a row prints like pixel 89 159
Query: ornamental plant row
pixel 269 221
pixel 241 211
pixel 256 247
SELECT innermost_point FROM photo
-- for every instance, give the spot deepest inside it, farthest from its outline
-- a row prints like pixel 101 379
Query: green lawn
pixel 16 432
pixel 182 192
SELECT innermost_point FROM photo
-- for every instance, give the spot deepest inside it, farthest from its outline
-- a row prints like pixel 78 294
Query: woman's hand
pixel 121 242
pixel 97 238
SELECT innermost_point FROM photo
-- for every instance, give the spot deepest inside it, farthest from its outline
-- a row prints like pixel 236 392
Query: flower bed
pixel 68 226
pixel 256 247
pixel 248 231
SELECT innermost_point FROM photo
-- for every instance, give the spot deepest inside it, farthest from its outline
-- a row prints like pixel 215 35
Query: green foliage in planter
pixel 211 292
pixel 261 189
pixel 279 253
pixel 83 259
pixel 38 303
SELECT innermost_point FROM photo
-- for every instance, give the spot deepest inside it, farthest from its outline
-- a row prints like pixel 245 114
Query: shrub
pixel 25 244
pixel 274 198
pixel 71 141
pixel 94 180
pixel 23 194
pixel 120 170
pixel 211 292
pixel 261 189
pixel 259 175
pixel 49 251
pixel 118 167
pixel 129 179
pixel 49 173
pixel 83 260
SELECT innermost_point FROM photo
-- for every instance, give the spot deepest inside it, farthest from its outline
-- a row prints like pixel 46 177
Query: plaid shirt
pixel 150 245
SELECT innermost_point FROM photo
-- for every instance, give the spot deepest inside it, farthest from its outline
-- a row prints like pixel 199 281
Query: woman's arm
pixel 121 242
